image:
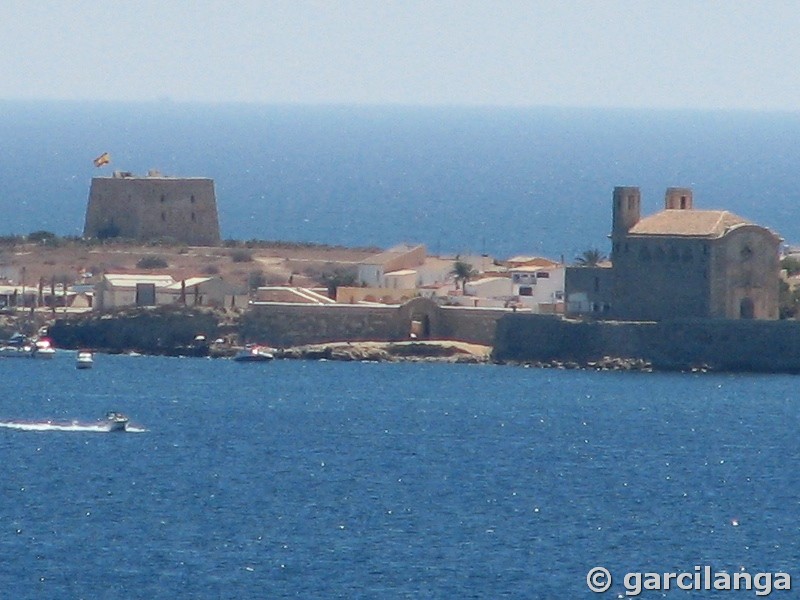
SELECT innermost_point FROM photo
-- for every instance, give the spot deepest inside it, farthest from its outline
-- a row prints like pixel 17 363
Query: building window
pixel 683 201
pixel 163 198
pixel 194 219
pixel 526 291
pixel 515 278
pixel 596 284
pixel 630 202
pixel 746 252
pixel 192 199
pixel 163 216
pixel 542 275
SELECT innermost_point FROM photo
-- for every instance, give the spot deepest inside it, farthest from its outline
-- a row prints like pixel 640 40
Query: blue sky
pixel 609 53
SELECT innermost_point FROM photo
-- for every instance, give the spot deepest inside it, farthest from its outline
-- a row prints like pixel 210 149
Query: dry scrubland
pixel 239 263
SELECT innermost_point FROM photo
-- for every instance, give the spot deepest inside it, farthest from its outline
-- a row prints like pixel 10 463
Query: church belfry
pixel 626 211
pixel 678 199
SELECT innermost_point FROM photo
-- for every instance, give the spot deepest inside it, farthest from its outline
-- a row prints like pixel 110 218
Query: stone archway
pixel 420 319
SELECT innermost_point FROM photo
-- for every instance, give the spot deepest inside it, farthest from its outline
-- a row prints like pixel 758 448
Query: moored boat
pixel 84 360
pixel 253 353
pixel 43 348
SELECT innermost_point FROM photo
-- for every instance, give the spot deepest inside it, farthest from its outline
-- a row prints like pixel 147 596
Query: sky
pixel 605 53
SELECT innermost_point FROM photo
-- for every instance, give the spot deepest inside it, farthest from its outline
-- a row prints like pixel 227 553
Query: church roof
pixel 693 223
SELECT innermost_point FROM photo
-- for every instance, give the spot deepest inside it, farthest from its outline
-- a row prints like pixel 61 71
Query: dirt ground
pixel 74 261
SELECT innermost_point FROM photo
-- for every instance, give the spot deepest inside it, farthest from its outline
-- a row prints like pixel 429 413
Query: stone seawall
pixel 166 330
pixel 285 324
pixel 716 344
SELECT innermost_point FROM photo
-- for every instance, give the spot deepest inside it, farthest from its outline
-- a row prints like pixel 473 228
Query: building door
pixel 746 309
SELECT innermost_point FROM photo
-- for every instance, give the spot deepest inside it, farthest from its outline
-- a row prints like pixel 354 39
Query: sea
pixel 304 479
pixel 498 181
pixel 315 479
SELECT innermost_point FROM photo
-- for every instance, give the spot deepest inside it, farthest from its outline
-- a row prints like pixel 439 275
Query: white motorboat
pixel 84 360
pixel 43 348
pixel 18 346
pixel 253 353
pixel 116 421
pixel 16 352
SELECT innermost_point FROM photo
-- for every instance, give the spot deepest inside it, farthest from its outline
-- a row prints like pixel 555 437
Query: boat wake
pixel 93 427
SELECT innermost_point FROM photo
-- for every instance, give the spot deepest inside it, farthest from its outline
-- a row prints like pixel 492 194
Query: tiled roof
pixel 694 223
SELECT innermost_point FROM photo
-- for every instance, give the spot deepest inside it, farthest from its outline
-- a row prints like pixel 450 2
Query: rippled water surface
pixel 343 480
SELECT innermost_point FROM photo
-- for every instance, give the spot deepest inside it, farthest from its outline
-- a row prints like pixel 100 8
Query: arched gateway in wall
pixel 420 317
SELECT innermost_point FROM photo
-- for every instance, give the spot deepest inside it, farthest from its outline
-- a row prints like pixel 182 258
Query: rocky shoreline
pixel 412 351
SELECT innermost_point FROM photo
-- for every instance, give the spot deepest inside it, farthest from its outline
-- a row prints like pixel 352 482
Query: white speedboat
pixel 116 421
pixel 84 360
pixel 253 353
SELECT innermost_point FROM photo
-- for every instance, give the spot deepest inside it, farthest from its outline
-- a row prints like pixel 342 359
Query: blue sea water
pixel 479 180
pixel 347 480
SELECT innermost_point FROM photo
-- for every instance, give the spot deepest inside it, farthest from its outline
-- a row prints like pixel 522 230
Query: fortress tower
pixel 152 207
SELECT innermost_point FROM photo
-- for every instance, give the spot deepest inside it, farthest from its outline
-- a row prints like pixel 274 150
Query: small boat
pixel 84 360
pixel 43 348
pixel 18 346
pixel 253 353
pixel 116 421
pixel 16 352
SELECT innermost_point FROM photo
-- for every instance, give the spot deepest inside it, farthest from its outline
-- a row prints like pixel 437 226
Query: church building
pixel 684 263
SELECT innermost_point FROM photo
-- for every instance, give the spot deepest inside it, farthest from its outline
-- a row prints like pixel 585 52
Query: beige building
pixel 153 207
pixel 683 263
pixel 117 290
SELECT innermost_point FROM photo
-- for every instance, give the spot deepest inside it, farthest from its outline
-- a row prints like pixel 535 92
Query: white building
pixel 539 288
pixel 116 290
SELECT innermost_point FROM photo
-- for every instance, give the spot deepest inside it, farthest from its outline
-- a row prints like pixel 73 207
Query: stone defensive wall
pixel 716 344
pixel 289 324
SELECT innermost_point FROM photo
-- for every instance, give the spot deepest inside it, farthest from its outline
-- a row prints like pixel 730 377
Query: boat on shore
pixel 116 421
pixel 84 360
pixel 254 353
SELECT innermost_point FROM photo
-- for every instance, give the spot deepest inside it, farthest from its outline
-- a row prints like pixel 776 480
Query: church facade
pixel 686 263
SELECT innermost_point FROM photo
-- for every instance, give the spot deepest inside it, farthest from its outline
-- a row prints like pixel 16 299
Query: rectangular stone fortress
pixel 183 209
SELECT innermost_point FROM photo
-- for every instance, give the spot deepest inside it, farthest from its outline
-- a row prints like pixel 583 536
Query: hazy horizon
pixel 616 54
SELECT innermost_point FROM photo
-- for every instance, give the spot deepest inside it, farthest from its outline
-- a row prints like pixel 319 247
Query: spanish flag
pixel 103 159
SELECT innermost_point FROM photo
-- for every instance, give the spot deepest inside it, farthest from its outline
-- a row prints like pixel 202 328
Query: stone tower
pixel 152 207
pixel 626 212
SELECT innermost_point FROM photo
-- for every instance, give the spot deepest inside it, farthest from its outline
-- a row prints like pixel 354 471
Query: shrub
pixel 152 262
pixel 240 256
pixel 256 279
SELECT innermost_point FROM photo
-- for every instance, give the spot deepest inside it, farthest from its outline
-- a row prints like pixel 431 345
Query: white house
pixel 539 288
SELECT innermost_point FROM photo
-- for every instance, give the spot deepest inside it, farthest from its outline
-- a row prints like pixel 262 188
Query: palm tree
pixel 590 258
pixel 463 272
